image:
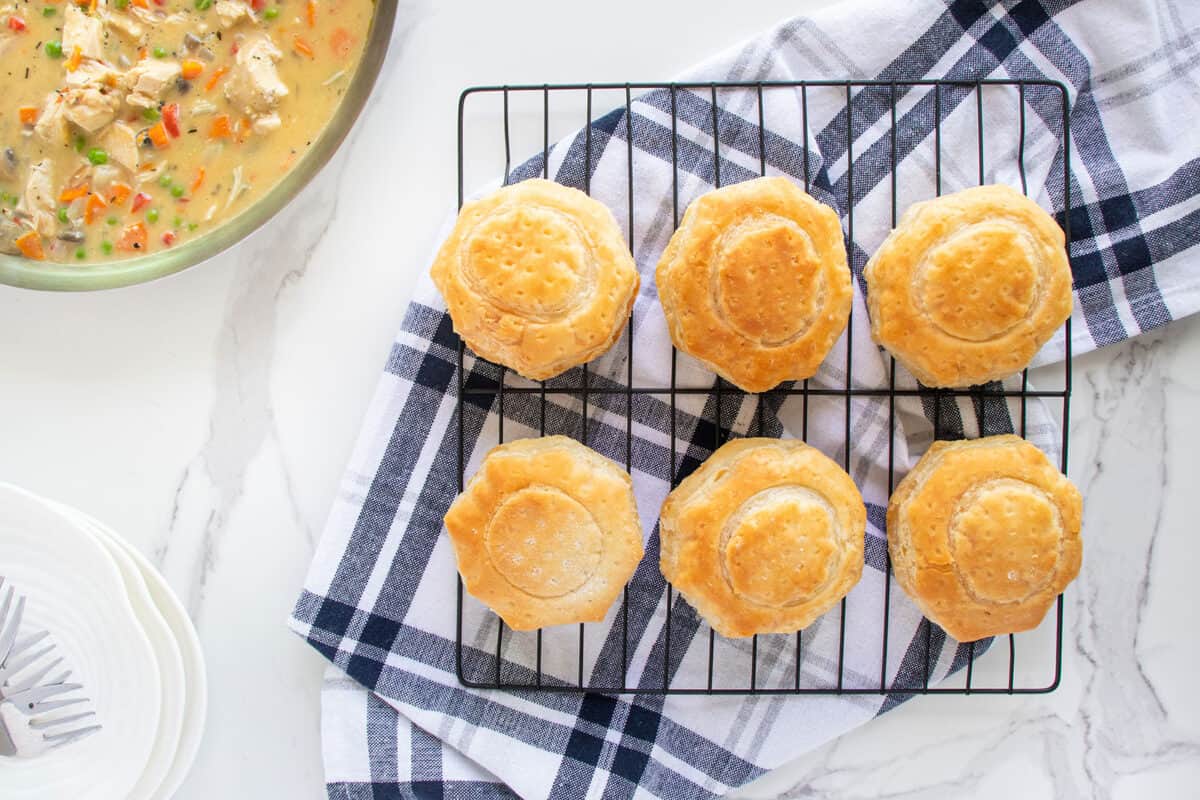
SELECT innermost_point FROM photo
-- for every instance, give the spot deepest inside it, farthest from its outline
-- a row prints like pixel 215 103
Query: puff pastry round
pixel 537 277
pixel 546 532
pixel 984 535
pixel 969 286
pixel 764 537
pixel 754 283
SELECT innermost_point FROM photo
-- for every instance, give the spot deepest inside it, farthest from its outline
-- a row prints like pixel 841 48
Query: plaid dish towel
pixel 379 599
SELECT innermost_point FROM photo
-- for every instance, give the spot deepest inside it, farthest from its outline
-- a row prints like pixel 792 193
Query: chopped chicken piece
pixel 148 80
pixel 124 23
pixel 82 31
pixel 156 17
pixel 121 143
pixel 38 200
pixel 254 86
pixel 51 126
pixel 231 12
pixel 266 123
pixel 91 106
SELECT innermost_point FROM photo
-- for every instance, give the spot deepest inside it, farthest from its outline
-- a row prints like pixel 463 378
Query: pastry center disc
pixel 529 260
pixel 781 546
pixel 543 541
pixel 769 280
pixel 1005 536
pixel 980 282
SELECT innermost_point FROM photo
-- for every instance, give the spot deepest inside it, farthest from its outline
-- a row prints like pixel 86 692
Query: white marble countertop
pixel 208 417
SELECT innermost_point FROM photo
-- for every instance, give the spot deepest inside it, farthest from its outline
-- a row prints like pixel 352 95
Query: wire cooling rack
pixel 937 403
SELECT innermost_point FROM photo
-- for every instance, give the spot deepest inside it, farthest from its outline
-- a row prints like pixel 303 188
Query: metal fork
pixel 27 697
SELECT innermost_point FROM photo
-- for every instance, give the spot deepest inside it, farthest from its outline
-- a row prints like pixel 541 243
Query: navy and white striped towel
pixel 378 600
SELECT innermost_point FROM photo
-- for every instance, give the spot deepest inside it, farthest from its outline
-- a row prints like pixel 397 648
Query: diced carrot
pixel 73 193
pixel 140 201
pixel 30 244
pixel 140 3
pixel 303 47
pixel 158 135
pixel 27 114
pixel 118 193
pixel 95 205
pixel 310 13
pixel 220 128
pixel 191 68
pixel 92 6
pixel 341 42
pixel 134 237
pixel 216 76
pixel 73 61
pixel 258 5
pixel 199 179
pixel 168 238
pixel 15 23
pixel 242 129
pixel 170 118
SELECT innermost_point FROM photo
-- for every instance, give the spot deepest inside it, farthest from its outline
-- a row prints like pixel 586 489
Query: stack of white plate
pixel 127 639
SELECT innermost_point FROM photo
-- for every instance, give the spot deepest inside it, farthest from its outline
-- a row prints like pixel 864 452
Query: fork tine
pixel 46 706
pixel 41 723
pixel 28 699
pixel 60 739
pixel 36 677
pixel 15 668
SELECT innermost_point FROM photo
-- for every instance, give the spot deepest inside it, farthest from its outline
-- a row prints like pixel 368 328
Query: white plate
pixel 166 649
pixel 195 707
pixel 75 591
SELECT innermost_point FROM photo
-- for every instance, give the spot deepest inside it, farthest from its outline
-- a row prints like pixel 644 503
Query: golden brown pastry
pixel 764 537
pixel 755 284
pixel 546 532
pixel 537 277
pixel 969 286
pixel 984 535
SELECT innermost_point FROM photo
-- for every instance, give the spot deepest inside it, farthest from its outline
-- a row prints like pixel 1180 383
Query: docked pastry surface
pixel 754 283
pixel 546 532
pixel 764 537
pixel 537 277
pixel 969 286
pixel 984 535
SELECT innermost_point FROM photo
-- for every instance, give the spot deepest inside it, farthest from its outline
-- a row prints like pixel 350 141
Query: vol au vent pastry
pixel 537 277
pixel 546 532
pixel 984 535
pixel 969 286
pixel 764 537
pixel 754 283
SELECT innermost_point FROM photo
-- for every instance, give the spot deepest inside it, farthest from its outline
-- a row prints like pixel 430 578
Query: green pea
pixel 54 49
pixel 80 143
pixel 271 13
pixel 176 191
pixel 97 156
pixel 121 4
pixel 159 52
pixel 203 5
pixel 62 215
pixel 152 215
pixel 80 254
pixel 107 247
pixel 49 11
pixel 164 180
pixel 151 114
pixel 112 220
pixel 191 226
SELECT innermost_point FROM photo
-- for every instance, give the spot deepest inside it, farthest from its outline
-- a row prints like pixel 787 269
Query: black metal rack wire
pixel 491 394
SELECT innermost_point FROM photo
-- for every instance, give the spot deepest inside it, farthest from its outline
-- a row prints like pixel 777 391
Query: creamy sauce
pixel 130 126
